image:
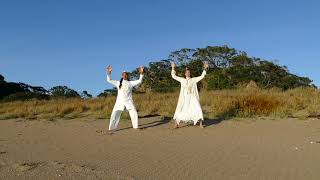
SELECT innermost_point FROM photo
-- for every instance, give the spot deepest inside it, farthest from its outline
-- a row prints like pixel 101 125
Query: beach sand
pixel 234 149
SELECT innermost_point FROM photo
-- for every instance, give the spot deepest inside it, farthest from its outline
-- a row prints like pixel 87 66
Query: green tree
pixel 229 69
pixel 85 95
pixel 63 92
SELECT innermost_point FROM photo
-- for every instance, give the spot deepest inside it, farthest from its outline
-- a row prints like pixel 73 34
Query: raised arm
pixel 139 81
pixel 113 82
pixel 173 73
pixel 199 78
pixel 204 72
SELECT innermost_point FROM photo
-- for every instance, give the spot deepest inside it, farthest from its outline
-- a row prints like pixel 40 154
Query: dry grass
pixel 243 102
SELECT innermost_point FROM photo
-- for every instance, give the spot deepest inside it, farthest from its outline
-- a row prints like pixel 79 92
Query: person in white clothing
pixel 188 107
pixel 124 99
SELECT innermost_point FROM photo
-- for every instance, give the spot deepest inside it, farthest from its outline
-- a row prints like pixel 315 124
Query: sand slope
pixel 75 149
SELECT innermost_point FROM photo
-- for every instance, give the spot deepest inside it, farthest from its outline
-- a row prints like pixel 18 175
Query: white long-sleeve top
pixel 124 97
pixel 189 85
pixel 188 88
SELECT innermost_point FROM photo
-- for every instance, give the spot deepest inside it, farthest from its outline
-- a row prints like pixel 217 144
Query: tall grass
pixel 242 102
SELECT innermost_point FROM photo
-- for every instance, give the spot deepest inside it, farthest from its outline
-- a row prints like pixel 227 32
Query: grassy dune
pixel 242 102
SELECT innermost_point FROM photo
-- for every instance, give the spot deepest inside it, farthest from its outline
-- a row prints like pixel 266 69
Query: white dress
pixel 188 107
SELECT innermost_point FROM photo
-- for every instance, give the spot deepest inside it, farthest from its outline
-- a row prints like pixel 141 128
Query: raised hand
pixel 109 70
pixel 205 65
pixel 141 70
pixel 173 65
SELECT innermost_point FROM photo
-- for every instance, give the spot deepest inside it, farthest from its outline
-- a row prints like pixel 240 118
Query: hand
pixel 205 65
pixel 173 65
pixel 141 70
pixel 109 70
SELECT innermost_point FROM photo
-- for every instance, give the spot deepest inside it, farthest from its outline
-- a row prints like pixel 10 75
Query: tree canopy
pixel 11 91
pixel 229 68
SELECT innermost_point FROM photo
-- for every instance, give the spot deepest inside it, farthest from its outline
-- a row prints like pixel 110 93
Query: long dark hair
pixel 120 83
pixel 121 80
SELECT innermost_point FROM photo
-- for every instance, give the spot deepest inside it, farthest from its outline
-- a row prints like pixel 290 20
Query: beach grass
pixel 224 104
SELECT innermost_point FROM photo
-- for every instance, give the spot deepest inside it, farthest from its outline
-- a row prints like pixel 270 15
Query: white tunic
pixel 188 107
pixel 124 98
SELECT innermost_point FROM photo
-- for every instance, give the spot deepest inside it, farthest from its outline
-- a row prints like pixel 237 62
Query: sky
pixel 70 42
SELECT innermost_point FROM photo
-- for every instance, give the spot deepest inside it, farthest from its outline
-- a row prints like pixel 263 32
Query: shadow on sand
pixel 162 120
pixel 210 122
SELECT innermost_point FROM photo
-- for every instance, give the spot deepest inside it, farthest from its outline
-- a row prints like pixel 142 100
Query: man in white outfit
pixel 124 99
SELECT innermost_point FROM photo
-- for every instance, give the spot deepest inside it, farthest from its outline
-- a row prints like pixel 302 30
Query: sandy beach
pixel 234 149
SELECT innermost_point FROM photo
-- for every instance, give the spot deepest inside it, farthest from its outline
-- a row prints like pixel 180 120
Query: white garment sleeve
pixel 199 78
pixel 137 82
pixel 113 82
pixel 175 77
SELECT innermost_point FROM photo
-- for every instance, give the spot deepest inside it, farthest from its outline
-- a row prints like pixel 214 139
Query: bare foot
pixel 110 132
pixel 201 126
pixel 176 126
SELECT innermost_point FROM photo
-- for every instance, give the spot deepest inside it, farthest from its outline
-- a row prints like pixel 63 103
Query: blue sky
pixel 69 42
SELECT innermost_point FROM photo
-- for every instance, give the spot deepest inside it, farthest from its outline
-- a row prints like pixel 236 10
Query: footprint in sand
pixel 99 131
pixel 75 168
pixel 3 152
pixel 102 132
pixel 26 166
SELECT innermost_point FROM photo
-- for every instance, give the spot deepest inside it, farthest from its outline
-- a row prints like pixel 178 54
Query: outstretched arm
pixel 204 72
pixel 173 73
pixel 139 81
pixel 199 78
pixel 113 82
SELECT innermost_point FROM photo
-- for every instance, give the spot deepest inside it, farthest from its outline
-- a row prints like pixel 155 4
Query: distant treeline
pixel 10 91
pixel 229 69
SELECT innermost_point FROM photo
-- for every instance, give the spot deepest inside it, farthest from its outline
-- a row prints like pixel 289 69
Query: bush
pixel 23 96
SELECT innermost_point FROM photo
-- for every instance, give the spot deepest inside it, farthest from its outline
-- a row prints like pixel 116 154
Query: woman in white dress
pixel 124 99
pixel 188 107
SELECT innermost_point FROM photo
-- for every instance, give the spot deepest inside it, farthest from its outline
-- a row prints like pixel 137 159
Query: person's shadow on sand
pixel 210 122
pixel 162 120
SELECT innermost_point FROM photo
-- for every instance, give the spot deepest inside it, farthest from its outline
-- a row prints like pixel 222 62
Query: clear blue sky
pixel 70 42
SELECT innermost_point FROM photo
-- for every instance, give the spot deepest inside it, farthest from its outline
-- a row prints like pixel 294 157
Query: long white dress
pixel 188 107
pixel 124 102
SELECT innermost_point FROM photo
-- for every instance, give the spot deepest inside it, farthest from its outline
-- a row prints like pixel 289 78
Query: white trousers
pixel 115 118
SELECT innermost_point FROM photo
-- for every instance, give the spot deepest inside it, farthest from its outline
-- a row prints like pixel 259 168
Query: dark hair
pixel 121 80
pixel 120 83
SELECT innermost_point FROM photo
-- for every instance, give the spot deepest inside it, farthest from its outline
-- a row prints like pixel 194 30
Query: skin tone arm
pixel 173 73
pixel 113 82
pixel 139 81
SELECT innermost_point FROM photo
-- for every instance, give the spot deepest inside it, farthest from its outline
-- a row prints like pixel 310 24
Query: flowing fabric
pixel 188 107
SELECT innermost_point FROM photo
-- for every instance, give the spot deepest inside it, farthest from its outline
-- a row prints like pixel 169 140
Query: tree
pixel 10 91
pixel 63 91
pixel 86 95
pixel 1 79
pixel 158 77
pixel 229 69
pixel 217 56
pixel 182 57
pixel 108 92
